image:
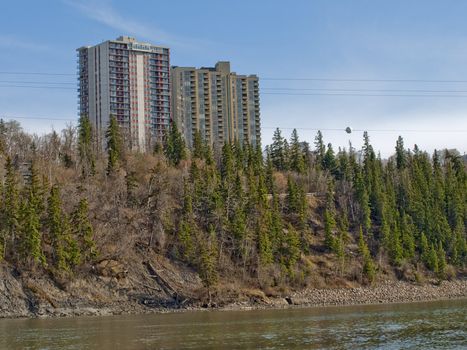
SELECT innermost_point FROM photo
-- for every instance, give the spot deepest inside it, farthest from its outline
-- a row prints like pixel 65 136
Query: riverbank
pixel 15 306
pixel 383 293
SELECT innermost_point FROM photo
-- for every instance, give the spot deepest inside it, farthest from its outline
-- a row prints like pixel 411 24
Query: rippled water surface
pixel 435 325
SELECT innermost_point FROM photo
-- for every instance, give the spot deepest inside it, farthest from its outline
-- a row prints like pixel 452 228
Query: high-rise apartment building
pixel 222 105
pixel 129 80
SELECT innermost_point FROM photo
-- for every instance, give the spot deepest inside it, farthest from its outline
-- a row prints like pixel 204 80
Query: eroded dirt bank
pixel 162 286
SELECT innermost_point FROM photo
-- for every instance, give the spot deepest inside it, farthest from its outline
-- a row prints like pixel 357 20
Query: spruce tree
pixel 29 218
pixel 432 259
pixel 208 260
pixel 329 227
pixel 174 148
pixel 114 145
pixel 199 148
pixel 320 149
pixel 11 205
pixel 82 231
pixel 441 255
pixel 297 162
pixel 65 249
pixel 85 146
pixel 400 154
pixel 277 148
pixel 369 270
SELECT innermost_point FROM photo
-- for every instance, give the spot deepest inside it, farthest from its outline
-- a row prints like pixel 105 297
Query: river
pixel 433 325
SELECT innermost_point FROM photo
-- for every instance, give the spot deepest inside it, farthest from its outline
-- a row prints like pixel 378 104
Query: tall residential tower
pixel 222 105
pixel 129 80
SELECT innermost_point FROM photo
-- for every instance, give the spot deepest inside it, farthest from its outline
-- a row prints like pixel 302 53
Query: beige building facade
pixel 222 105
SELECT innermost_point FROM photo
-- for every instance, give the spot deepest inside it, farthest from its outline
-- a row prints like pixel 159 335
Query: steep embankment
pixel 156 284
pixel 106 288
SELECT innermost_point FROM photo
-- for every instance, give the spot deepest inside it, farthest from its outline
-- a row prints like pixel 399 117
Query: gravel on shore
pixel 384 292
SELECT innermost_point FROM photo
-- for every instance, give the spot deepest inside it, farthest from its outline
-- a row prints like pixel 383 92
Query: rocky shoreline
pixel 383 293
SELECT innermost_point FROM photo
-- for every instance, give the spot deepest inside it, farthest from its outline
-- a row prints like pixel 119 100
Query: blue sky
pixel 380 40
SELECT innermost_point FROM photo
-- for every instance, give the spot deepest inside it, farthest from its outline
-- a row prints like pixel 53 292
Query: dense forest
pixel 260 216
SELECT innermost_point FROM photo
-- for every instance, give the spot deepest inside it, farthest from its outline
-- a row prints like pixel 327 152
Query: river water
pixel 434 325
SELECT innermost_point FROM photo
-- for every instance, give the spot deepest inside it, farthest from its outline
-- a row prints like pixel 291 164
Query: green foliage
pixel 208 260
pixel 83 234
pixel 278 150
pixel 114 145
pixel 441 255
pixel 174 147
pixel 66 254
pixel 369 270
pixel 297 162
pixel 329 227
pixel 10 208
pixel 432 259
pixel 85 146
pixel 199 148
pixel 237 212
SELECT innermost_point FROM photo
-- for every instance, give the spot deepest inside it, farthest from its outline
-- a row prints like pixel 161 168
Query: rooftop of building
pixel 127 40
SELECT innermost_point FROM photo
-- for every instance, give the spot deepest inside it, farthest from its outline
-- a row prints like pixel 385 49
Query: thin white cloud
pixel 103 12
pixel 13 42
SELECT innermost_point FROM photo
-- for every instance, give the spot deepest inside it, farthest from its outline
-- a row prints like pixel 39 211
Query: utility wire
pixel 361 90
pixel 37 73
pixel 283 78
pixel 369 130
pixel 38 87
pixel 37 118
pixel 358 95
pixel 265 127
pixel 37 82
pixel 273 93
pixel 368 80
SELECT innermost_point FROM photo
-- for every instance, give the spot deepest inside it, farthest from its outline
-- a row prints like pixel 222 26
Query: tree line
pixel 260 215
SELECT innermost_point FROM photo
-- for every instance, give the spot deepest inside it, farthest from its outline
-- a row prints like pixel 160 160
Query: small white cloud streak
pixel 103 12
pixel 12 42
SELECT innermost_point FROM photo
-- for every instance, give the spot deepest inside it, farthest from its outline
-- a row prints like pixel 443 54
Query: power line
pixel 37 118
pixel 369 130
pixel 368 80
pixel 37 82
pixel 269 127
pixel 38 87
pixel 37 73
pixel 275 93
pixel 282 78
pixel 357 95
pixel 362 90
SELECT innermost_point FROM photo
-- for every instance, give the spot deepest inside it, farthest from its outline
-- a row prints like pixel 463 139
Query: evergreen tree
pixel 441 255
pixel 329 227
pixel 401 158
pixel 329 161
pixel 174 149
pixel 198 145
pixel 320 149
pixel 369 270
pixel 11 205
pixel 83 232
pixel 432 259
pixel 264 240
pixel 297 162
pixel 278 156
pixel 114 145
pixel 208 256
pixel 30 234
pixel 65 251
pixel 29 219
pixel 85 146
